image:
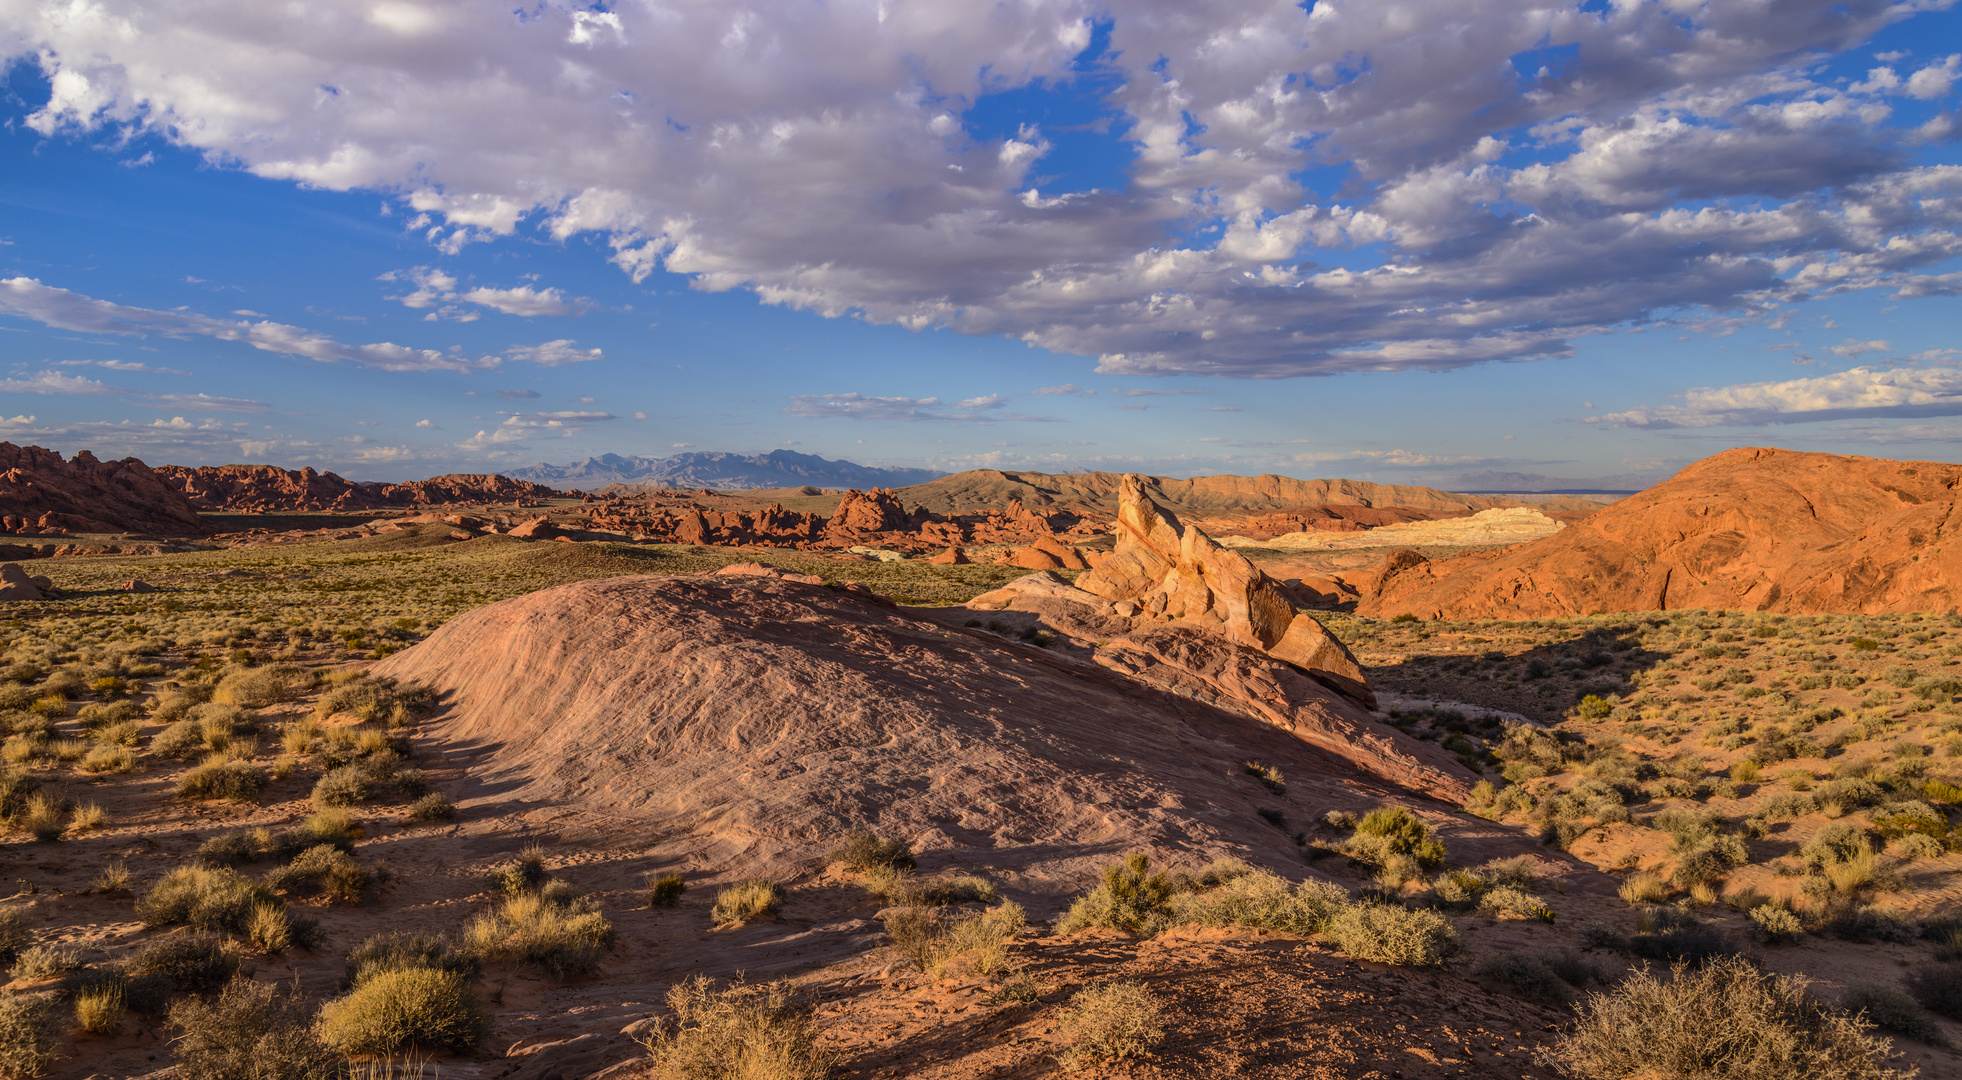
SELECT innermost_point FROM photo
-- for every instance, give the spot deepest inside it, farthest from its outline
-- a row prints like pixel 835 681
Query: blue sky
pixel 1400 241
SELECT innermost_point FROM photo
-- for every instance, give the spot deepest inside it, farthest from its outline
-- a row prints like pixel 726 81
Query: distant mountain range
pixel 1512 482
pixel 719 472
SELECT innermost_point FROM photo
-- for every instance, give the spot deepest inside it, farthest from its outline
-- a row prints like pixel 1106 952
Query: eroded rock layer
pixel 1754 529
pixel 268 488
pixel 41 493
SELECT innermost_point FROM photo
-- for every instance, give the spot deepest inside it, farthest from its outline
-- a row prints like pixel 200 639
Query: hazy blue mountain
pixel 719 472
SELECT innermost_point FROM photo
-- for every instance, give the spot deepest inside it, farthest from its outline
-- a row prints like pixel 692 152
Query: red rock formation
pixel 41 493
pixel 16 585
pixel 1164 570
pixel 863 515
pixel 1752 529
pixel 953 556
pixel 270 489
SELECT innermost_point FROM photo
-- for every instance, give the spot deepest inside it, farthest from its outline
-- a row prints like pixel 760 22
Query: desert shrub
pixel 246 845
pixel 45 818
pixel 1847 793
pixel 179 740
pixel 402 951
pixel 99 1010
pixel 1392 830
pixel 374 700
pixel 1837 843
pixel 934 944
pixel 180 963
pixel 206 899
pixel 1643 887
pixel 253 1030
pixel 745 900
pixel 1917 846
pixel 15 697
pixel 1726 1021
pixel 896 886
pixel 1871 922
pixel 102 759
pixel 1889 1008
pixel 1132 898
pixel 562 936
pixel 14 933
pixel 1786 806
pixel 27 1045
pixel 46 961
pixel 1394 935
pixel 1527 976
pixel 1938 987
pixel 864 851
pixel 664 890
pixel 1264 901
pixel 742 1031
pixel 431 807
pixel 324 869
pixel 1110 1022
pixel 236 781
pixel 344 786
pixel 1773 923
pixel 406 1008
pixel 1507 902
pixel 256 688
pixel 524 875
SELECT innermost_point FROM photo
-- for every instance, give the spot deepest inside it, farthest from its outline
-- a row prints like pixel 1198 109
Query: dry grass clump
pixel 323 869
pixel 753 1032
pixel 373 700
pixel 936 945
pixel 551 930
pixel 27 1043
pixel 756 898
pixel 203 898
pixel 222 777
pixel 1394 935
pixel 405 1008
pixel 1261 900
pixel 252 1029
pixel 111 758
pixel 664 890
pixel 898 887
pixel 47 961
pixel 256 688
pixel 1643 887
pixel 399 951
pixel 1108 1023
pixel 99 1010
pixel 180 963
pixel 1509 902
pixel 45 818
pixel 524 875
pixel 14 933
pixel 1728 1020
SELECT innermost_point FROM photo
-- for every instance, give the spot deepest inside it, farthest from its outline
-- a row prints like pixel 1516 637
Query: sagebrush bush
pixel 896 886
pixel 1728 1020
pixel 232 780
pixel 251 1030
pixel 402 951
pixel 1528 976
pixel 1507 902
pixel 1773 923
pixel 745 900
pixel 1132 898
pixel 345 786
pixel 1388 831
pixel 373 700
pixel 863 851
pixel 323 869
pixel 431 807
pixel 203 898
pixel 256 688
pixel 405 1008
pixel 1394 935
pixel 182 963
pixel 1110 1022
pixel 27 1043
pixel 46 961
pixel 1890 1008
pixel 753 1032
pixel 1264 901
pixel 563 937
pixel 180 740
pixel 936 944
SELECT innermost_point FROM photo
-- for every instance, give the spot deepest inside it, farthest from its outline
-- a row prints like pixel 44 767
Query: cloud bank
pixel 1491 178
pixel 1857 393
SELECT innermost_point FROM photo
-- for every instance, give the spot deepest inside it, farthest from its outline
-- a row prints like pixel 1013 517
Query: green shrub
pixel 1263 901
pixel 1131 898
pixel 1773 923
pixel 236 781
pixel 1110 1022
pixel 863 851
pixel 664 890
pixel 562 938
pixel 1890 1008
pixel 404 1009
pixel 206 899
pixel 1392 830
pixel 1840 842
pixel 404 951
pixel 1394 935
pixel 27 1045
pixel 1594 707
pixel 373 700
pixel 751 1032
pixel 1771 1029
pixel 252 1030
pixel 745 900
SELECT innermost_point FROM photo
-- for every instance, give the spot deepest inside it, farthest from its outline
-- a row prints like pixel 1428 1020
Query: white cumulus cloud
pixel 1857 393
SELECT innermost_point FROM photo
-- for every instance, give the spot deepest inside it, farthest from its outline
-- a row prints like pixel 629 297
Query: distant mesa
pixel 720 472
pixel 1752 529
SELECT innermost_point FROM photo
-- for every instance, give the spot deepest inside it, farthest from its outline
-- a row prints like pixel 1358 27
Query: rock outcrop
pixel 749 720
pixel 270 489
pixel 1500 525
pixel 40 493
pixel 1754 529
pixel 1164 570
pixel 16 584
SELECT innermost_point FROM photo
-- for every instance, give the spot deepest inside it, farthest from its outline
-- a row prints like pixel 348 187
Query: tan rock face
pixel 752 720
pixel 1171 572
pixel 1752 529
